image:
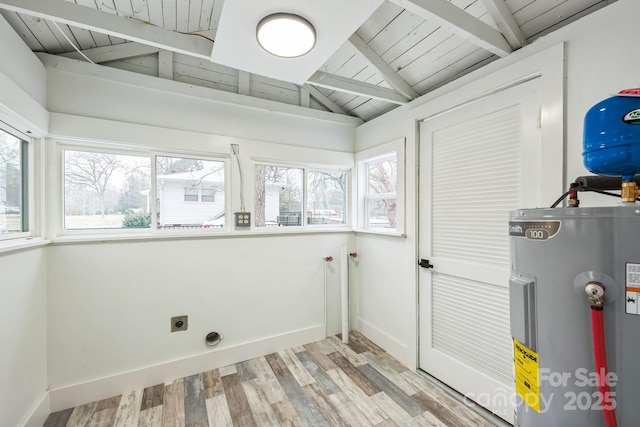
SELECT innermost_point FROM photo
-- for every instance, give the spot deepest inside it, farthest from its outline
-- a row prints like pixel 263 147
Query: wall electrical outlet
pixel 243 219
pixel 179 323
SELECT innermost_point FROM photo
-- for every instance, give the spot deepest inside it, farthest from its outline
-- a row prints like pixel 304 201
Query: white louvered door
pixel 475 162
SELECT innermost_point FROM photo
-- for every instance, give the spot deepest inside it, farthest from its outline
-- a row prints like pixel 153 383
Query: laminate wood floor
pixel 326 383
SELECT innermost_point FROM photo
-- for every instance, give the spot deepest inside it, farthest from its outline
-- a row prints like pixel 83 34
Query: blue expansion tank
pixel 612 136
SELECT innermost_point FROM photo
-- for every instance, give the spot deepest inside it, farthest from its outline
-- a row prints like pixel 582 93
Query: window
pixel 208 195
pixel 106 190
pixel 326 198
pixel 380 193
pixel 14 212
pixel 109 188
pixel 280 197
pixel 190 192
pixel 381 188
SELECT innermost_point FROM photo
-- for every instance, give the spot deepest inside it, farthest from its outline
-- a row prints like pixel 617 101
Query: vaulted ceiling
pixel 371 55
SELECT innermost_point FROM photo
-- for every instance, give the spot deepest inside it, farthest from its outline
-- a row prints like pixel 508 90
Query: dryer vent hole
pixel 213 338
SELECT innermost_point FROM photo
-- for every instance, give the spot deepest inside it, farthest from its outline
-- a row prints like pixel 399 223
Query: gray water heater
pixel 555 255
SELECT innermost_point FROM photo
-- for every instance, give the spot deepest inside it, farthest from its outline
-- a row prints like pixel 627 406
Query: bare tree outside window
pixel 91 170
pixel 169 165
pixel 134 195
pixel 278 196
pixel 381 196
pixel 326 197
pixel 101 188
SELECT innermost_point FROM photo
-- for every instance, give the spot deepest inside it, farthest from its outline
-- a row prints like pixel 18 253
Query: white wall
pixel 23 352
pixel 600 61
pixel 23 276
pixel 82 89
pixel 110 303
pixel 89 319
pixel 381 293
pixel 23 84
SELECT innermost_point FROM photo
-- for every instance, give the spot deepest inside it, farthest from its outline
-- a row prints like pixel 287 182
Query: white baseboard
pixel 392 346
pixel 78 394
pixel 38 413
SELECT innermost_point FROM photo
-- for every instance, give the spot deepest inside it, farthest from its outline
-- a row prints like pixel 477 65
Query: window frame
pixel 146 152
pixel 303 223
pixel 62 230
pixel 364 158
pixel 27 178
pixel 56 232
pixel 347 193
pixel 214 157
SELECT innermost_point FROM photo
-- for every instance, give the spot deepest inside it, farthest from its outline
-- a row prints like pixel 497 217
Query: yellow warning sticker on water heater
pixel 527 371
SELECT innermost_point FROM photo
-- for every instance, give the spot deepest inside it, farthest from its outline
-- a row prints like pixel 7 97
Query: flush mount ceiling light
pixel 286 35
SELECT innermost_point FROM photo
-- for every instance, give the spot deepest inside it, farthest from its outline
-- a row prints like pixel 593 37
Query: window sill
pixel 119 237
pixel 267 231
pixel 381 233
pixel 20 244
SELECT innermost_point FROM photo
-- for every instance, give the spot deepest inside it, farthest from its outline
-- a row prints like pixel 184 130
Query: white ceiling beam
pixel 502 16
pixel 305 97
pixel 343 84
pixel 244 82
pixel 113 52
pixel 106 23
pixel 388 73
pixel 165 64
pixel 323 99
pixel 120 51
pixel 459 22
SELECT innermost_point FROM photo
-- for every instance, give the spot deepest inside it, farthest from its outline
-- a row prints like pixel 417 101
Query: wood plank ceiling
pixel 405 49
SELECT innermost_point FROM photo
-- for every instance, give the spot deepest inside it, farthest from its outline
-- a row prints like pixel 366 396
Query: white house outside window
pixel 190 192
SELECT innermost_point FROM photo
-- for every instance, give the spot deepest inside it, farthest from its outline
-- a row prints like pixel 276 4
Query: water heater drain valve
pixel 595 293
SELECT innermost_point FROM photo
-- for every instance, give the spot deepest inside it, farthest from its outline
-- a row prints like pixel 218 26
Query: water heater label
pixel 633 288
pixel 527 374
pixel 534 230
